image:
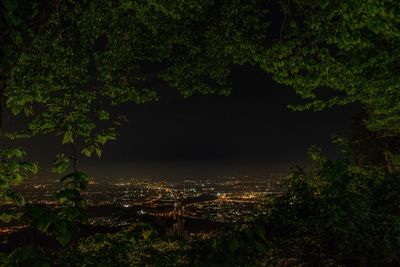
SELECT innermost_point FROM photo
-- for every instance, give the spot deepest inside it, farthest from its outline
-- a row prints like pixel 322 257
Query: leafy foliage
pixel 64 63
pixel 26 256
pixel 137 246
pixel 12 173
pixel 349 47
pixel 336 213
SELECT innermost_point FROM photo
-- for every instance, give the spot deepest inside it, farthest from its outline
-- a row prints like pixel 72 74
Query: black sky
pixel 251 132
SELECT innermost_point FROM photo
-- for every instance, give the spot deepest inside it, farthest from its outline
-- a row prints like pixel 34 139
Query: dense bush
pixel 337 213
pixel 134 246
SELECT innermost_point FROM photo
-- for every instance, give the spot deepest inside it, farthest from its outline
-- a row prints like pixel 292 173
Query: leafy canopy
pixel 65 63
pixel 348 46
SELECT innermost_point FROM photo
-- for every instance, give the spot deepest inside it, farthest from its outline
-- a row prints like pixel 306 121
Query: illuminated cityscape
pixel 172 206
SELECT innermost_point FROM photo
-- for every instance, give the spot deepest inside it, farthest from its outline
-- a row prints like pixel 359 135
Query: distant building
pixel 178 225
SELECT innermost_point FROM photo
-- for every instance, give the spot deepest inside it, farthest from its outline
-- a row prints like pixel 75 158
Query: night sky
pixel 251 132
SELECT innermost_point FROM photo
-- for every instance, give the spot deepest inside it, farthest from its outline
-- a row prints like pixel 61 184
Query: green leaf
pixel 35 212
pixel 8 216
pixel 104 115
pixel 48 125
pixel 64 234
pixel 71 213
pixel 16 110
pixel 42 219
pixel 233 244
pixel 62 200
pixel 67 194
pixel 260 231
pixel 60 164
pixel 10 5
pixel 147 234
pixel 13 196
pixel 88 150
pixel 64 238
pixel 98 151
pixel 259 247
pixel 81 177
pixel 69 175
pixel 16 37
pixel 68 137
pixel 15 152
pixel 32 167
pixel 102 139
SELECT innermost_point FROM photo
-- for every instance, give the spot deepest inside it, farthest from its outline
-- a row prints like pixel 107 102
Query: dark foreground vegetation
pixel 64 64
pixel 332 213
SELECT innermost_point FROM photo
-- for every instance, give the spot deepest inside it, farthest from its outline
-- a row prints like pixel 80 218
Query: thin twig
pixel 283 24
